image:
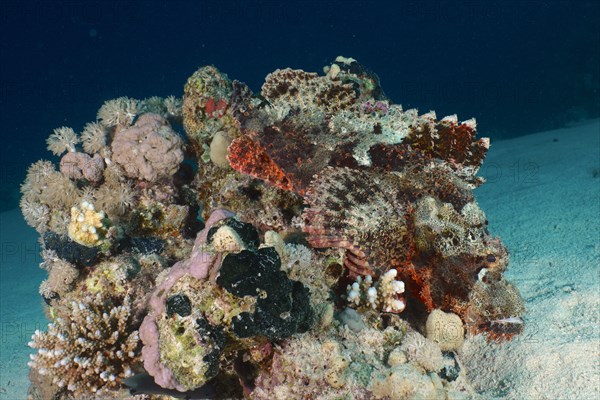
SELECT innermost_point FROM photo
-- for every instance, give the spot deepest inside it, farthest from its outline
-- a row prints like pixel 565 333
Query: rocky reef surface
pixel 311 241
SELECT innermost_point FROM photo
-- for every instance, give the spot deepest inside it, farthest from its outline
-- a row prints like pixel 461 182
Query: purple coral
pixel 76 165
pixel 150 149
pixel 200 265
pixel 375 107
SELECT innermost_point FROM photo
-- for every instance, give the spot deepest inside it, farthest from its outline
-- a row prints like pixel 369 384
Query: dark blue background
pixel 517 66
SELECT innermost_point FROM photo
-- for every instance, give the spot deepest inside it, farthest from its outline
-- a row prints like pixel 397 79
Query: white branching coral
pixel 62 139
pixel 385 295
pixel 93 137
pixel 90 347
pixel 118 112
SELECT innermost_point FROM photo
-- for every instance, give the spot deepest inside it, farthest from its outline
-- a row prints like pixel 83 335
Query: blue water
pixel 517 66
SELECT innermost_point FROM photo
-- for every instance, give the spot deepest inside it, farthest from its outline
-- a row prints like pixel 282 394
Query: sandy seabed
pixel 542 198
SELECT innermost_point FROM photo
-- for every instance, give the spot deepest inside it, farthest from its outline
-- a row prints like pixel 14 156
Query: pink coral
pixel 200 265
pixel 150 149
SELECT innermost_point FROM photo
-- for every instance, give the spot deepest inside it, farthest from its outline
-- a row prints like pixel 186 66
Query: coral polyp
pixel 313 241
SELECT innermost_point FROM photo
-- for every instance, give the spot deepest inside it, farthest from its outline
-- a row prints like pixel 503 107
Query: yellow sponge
pixel 88 226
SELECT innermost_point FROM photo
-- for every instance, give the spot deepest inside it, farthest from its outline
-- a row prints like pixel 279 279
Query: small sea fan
pixel 169 107
pixel 93 137
pixel 59 192
pixel 424 352
pixel 118 112
pixel 40 169
pixel 61 277
pixel 87 194
pixel 173 106
pixel 36 214
pixel 40 175
pixel 115 199
pixel 154 105
pixel 61 140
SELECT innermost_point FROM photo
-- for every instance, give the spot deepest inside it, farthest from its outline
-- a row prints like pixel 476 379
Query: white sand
pixel 541 199
pixel 20 304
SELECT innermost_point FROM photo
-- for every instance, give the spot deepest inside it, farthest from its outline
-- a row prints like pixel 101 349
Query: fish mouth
pixel 503 328
pixel 509 320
